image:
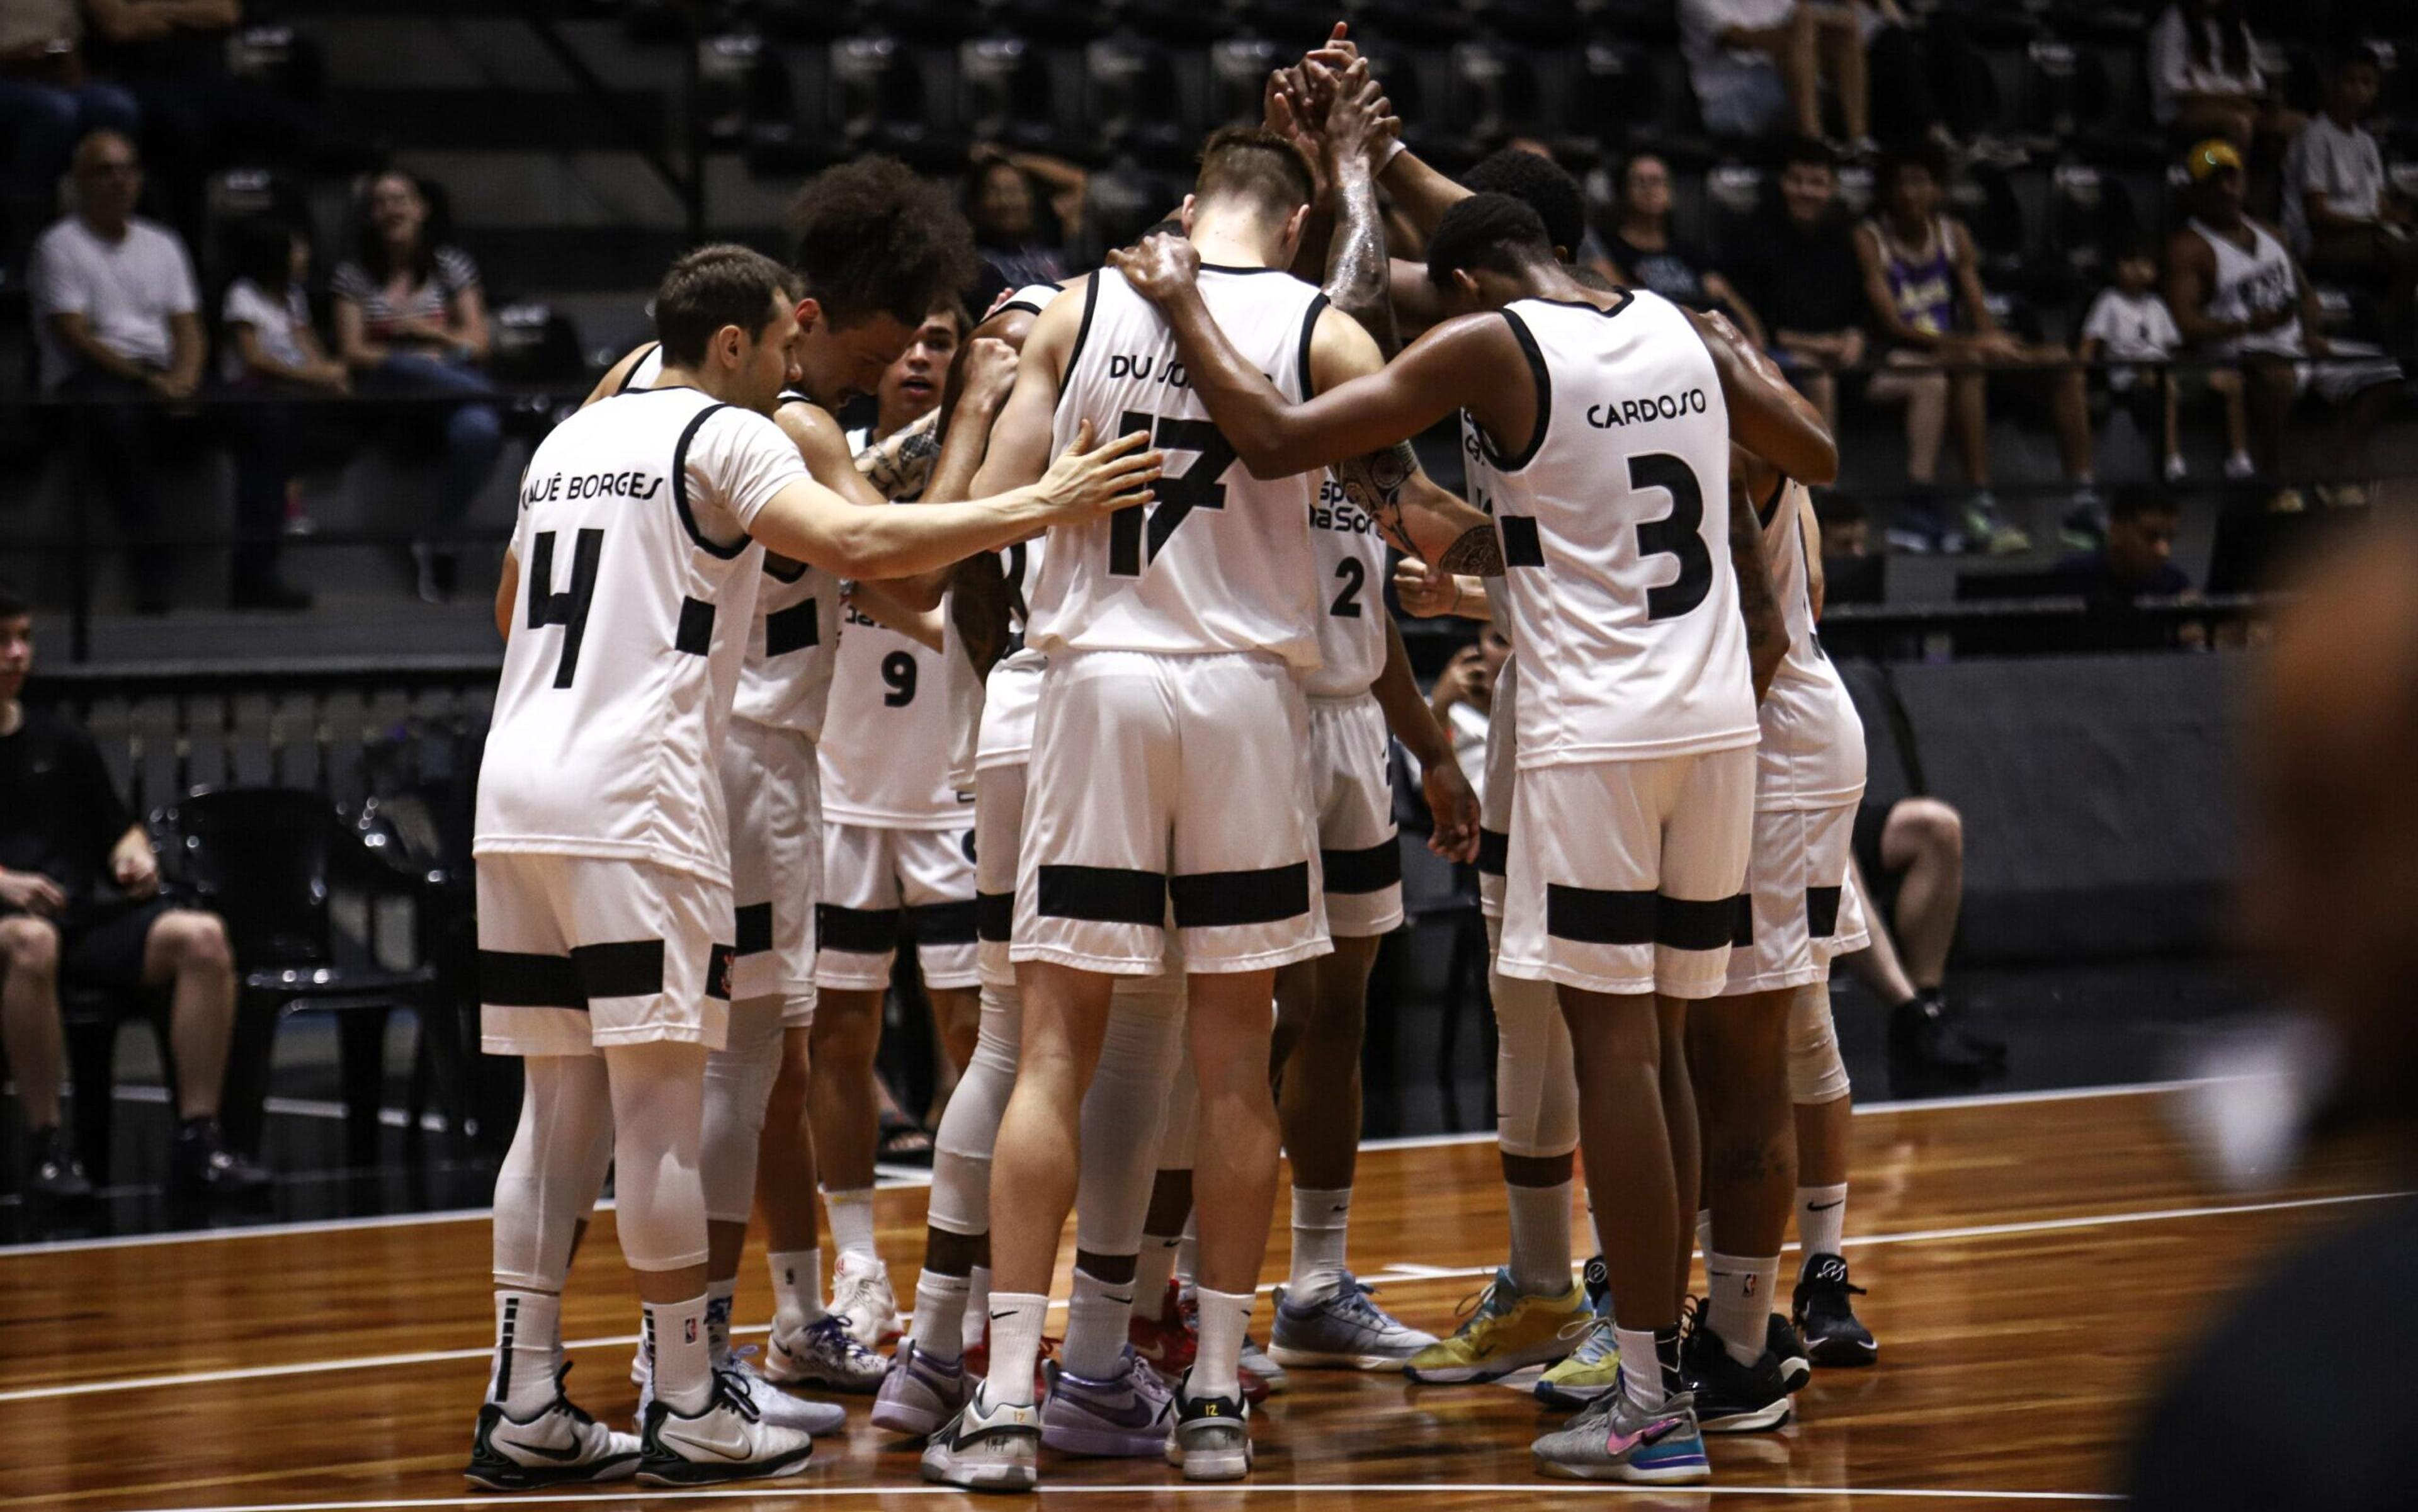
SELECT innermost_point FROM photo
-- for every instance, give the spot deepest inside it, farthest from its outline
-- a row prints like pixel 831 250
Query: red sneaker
pixel 1167 1342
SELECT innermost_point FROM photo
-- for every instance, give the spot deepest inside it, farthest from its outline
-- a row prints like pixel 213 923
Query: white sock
pixel 1217 1365
pixel 1015 1318
pixel 718 1295
pixel 528 1351
pixel 852 1220
pixel 1739 1289
pixel 938 1327
pixel 977 1314
pixel 1644 1384
pixel 1822 1219
pixel 1540 1239
pixel 1321 1220
pixel 797 1287
pixel 675 1333
pixel 1188 1253
pixel 1595 1229
pixel 1153 1269
pixel 1095 1325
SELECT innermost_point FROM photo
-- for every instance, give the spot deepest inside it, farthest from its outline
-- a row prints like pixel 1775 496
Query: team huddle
pixel 1113 563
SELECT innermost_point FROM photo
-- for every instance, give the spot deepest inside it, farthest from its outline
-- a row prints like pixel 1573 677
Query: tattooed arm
pixel 1358 275
pixel 1766 632
pixel 901 463
pixel 1411 512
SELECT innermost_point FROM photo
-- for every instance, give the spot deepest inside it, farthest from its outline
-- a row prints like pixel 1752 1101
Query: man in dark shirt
pixel 1799 271
pixel 2135 559
pixel 80 901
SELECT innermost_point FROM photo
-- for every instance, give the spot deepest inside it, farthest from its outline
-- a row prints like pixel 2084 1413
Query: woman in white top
pixel 270 354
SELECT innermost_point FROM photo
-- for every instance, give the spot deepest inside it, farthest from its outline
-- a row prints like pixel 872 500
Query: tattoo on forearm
pixel 1479 553
pixel 1374 482
pixel 901 463
pixel 1358 273
pixel 1766 627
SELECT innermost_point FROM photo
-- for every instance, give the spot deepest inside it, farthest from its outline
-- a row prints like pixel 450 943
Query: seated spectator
pixel 412 320
pixel 2236 292
pixel 80 905
pixel 47 104
pixel 1758 66
pixel 1646 254
pixel 2129 323
pixel 2340 213
pixel 1002 203
pixel 1923 284
pixel 1850 573
pixel 2204 76
pixel 1798 264
pixel 1464 698
pixel 119 323
pixel 269 352
pixel 2135 560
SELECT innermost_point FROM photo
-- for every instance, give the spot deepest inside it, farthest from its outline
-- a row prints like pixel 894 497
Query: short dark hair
pixel 1493 232
pixel 2132 503
pixel 1808 152
pixel 871 239
pixel 1545 186
pixel 260 248
pixel 1923 155
pixel 713 287
pixel 1256 163
pixel 13 604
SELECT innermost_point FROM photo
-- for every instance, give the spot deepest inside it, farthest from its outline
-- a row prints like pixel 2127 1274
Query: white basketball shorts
pixel 772 786
pixel 577 953
pixel 1353 803
pixel 1795 879
pixel 881 886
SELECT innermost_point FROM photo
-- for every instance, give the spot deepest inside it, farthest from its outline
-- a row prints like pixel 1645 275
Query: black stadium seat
pixel 1132 104
pixel 876 100
pixel 1004 93
pixel 1238 77
pixel 2090 218
pixel 1494 94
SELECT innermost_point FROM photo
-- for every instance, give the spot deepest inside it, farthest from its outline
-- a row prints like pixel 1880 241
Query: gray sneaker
pixel 920 1393
pixel 1342 1329
pixel 1212 1440
pixel 1125 1414
pixel 987 1448
pixel 1613 1439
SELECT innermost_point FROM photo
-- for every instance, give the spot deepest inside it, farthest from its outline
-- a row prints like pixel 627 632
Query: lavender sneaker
pixel 919 1393
pixel 1126 1414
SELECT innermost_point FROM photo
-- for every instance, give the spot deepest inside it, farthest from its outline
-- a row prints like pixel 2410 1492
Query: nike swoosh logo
pixel 1340 1207
pixel 1824 1207
pixel 544 1451
pixel 1122 1302
pixel 999 1315
pixel 708 1444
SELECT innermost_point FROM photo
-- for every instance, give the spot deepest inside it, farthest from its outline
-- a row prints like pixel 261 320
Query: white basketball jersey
pixel 1352 584
pixel 637 581
pixel 1218 560
pixel 1812 753
pixel 1615 539
pixel 1032 299
pixel 2255 283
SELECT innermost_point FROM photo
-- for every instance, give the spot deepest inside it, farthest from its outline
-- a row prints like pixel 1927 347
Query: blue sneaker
pixel 1343 1329
pixel 1616 1439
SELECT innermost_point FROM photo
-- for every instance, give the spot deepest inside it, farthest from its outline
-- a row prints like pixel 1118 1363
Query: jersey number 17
pixel 1133 545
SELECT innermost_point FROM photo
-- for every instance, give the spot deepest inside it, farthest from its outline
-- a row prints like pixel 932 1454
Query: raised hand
pixel 1158 268
pixel 1088 482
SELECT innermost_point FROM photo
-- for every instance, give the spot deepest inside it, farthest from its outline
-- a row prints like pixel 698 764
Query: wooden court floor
pixel 2032 1260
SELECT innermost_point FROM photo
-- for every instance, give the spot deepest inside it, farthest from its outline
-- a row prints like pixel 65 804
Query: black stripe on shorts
pixel 1494 851
pixel 1822 912
pixel 942 923
pixel 1372 870
pixel 1688 924
pixel 995 917
pixel 1599 916
pixel 856 931
pixel 621 968
pixel 514 979
pixel 755 928
pixel 1103 895
pixel 1211 900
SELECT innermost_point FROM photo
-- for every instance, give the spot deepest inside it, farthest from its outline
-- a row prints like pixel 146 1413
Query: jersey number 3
pixel 1679 533
pixel 1175 497
pixel 568 608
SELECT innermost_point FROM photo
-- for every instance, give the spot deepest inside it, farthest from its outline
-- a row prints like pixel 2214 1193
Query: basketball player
pixel 601 840
pixel 1595 423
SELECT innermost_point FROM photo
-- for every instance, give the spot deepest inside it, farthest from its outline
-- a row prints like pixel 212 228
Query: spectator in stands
pixel 2236 292
pixel 2137 559
pixel 1798 264
pixel 1464 697
pixel 1758 66
pixel 2340 213
pixel 47 104
pixel 2204 76
pixel 1646 254
pixel 269 354
pixel 80 906
pixel 119 323
pixel 411 320
pixel 1850 573
pixel 1916 848
pixel 2128 323
pixel 1002 202
pixel 1924 283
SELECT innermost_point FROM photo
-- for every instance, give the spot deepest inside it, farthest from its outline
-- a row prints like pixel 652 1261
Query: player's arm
pixel 1767 416
pixel 1413 513
pixel 508 592
pixel 876 603
pixel 1019 438
pixel 903 461
pixel 1414 723
pixel 1817 587
pixel 1767 629
pixel 1356 266
pixel 617 377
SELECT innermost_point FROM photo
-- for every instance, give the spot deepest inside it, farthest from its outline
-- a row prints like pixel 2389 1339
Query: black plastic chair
pixel 307 897
pixel 92 1018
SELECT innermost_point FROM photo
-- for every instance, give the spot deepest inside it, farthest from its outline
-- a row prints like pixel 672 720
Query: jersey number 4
pixel 1174 497
pixel 568 608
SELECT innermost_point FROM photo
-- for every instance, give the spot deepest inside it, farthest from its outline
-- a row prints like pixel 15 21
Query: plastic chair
pixel 91 1017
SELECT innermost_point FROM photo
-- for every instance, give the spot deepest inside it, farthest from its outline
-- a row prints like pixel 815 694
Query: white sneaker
pixel 987 1448
pixel 2177 469
pixel 775 1406
pixel 862 1298
pixel 2239 468
pixel 560 1445
pixel 1212 1437
pixel 822 1355
pixel 729 1441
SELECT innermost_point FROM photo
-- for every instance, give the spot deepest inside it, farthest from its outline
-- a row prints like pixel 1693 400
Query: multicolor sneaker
pixel 1987 529
pixel 1125 1414
pixel 561 1446
pixel 727 1440
pixel 987 1448
pixel 1505 1332
pixel 824 1355
pixel 1342 1329
pixel 920 1393
pixel 862 1297
pixel 1212 1440
pixel 1614 1439
pixel 1822 1308
pixel 1731 1397
pixel 1589 1370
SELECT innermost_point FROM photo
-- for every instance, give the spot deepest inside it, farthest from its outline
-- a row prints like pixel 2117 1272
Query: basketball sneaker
pixel 1258 1366
pixel 822 1355
pixel 1342 1329
pixel 1126 1414
pixel 561 1446
pixel 727 1440
pixel 1731 1397
pixel 775 1406
pixel 1782 1341
pixel 861 1297
pixel 1614 1439
pixel 987 1448
pixel 1213 1436
pixel 1823 1308
pixel 1505 1332
pixel 1592 1369
pixel 920 1393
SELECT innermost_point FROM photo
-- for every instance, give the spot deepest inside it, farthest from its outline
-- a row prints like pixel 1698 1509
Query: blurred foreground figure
pixel 2333 842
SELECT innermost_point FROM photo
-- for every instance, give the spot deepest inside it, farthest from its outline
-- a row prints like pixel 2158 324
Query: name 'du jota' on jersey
pixel 637 581
pixel 1615 539
pixel 1218 560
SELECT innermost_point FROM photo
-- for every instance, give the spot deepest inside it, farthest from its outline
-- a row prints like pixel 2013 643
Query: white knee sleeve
pixel 1535 1082
pixel 659 1121
pixel 1816 1072
pixel 551 1175
pixel 1122 1114
pixel 737 1083
pixel 970 1126
pixel 1176 1131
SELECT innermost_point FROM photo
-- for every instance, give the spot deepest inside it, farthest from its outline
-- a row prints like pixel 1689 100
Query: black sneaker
pixel 1796 1366
pixel 52 1172
pixel 203 1166
pixel 1834 1336
pixel 1922 1041
pixel 1733 1398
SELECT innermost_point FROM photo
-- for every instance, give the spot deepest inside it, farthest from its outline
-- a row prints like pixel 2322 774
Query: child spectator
pixel 269 352
pixel 2127 324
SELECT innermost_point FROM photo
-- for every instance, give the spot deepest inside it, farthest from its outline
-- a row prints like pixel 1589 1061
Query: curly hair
pixel 1493 232
pixel 871 239
pixel 1544 184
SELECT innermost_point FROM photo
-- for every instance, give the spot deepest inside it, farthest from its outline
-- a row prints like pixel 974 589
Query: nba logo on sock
pixel 688 1330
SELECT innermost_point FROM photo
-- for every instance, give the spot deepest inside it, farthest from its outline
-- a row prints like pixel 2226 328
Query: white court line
pixel 1404 1274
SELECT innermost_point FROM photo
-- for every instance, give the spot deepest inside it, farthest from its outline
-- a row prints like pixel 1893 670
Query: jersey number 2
pixel 1679 533
pixel 568 608
pixel 1354 574
pixel 1175 497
